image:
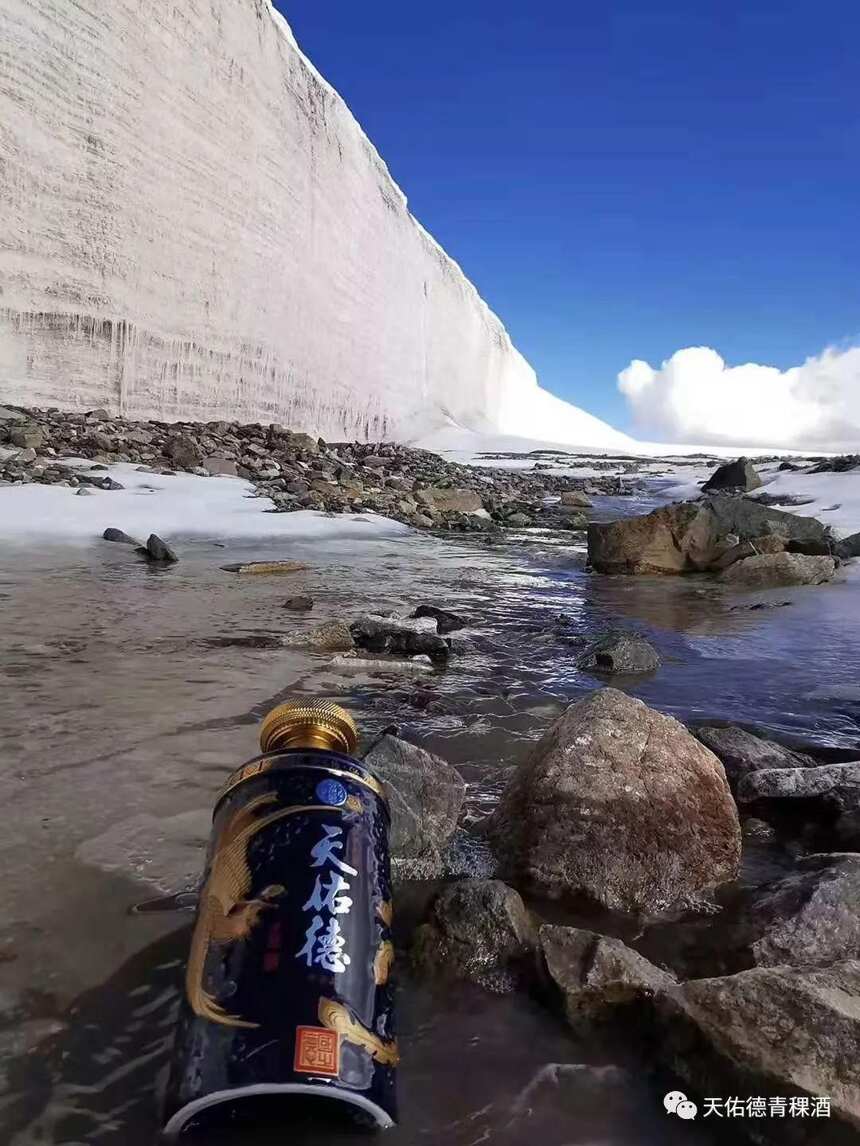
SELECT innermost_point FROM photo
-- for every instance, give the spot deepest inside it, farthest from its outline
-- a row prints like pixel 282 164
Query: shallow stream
pixel 129 693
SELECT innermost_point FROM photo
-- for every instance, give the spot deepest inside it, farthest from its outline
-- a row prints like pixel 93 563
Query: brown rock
pixel 573 497
pixel 450 500
pixel 779 569
pixel 330 636
pixel 183 451
pixel 622 803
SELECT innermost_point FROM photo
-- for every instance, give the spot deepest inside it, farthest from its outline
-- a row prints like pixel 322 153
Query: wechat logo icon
pixel 676 1102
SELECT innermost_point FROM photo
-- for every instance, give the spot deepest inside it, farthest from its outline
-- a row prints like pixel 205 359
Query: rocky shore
pixel 297 471
pixel 620 826
pixel 622 806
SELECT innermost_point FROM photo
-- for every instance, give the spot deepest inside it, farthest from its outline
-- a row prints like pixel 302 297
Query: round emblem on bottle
pixel 331 792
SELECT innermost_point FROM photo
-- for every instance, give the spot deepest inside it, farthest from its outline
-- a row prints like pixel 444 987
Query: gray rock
pixel 303 443
pixel 158 550
pixel 478 930
pixel 224 466
pixel 573 518
pixel 183 451
pixel 848 547
pixel 393 635
pixel 811 917
pixel 425 795
pixel 300 604
pixel 111 534
pixel 770 1031
pixel 741 752
pixel 446 621
pixel 518 520
pixel 27 435
pixel 622 803
pixel 691 536
pixel 139 437
pixel 575 498
pixel 618 652
pixel 779 569
pixel 7 415
pixel 832 785
pixel 596 974
pixel 738 475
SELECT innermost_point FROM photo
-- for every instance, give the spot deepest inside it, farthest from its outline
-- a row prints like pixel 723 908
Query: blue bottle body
pixel 288 985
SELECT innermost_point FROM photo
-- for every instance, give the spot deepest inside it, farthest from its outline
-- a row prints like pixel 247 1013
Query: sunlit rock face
pixel 192 225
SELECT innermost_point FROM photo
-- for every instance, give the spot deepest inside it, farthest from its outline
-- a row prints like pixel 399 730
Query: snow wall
pixel 194 226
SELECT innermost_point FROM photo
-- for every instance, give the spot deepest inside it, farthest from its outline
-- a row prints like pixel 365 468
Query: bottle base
pixel 374 1114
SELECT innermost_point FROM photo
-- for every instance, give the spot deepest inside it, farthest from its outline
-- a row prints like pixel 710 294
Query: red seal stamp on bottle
pixel 317 1051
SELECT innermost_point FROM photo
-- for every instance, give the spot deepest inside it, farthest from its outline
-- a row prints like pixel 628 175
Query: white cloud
pixel 696 397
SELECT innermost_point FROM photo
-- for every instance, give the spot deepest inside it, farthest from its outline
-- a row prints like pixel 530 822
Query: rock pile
pixel 298 471
pixel 718 534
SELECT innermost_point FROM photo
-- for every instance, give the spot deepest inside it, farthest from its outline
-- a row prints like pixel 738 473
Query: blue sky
pixel 621 180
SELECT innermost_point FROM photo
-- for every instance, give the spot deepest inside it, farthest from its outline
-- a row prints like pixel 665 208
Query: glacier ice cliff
pixel 194 226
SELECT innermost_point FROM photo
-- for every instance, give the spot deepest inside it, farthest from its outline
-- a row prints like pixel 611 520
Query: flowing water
pixel 128 694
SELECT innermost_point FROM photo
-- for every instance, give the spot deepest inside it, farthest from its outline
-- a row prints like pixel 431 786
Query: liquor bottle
pixel 287 988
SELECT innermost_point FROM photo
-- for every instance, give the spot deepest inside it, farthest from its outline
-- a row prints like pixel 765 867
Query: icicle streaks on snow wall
pixel 193 225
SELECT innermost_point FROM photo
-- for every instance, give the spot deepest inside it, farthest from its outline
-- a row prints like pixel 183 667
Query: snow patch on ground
pixel 835 497
pixel 182 505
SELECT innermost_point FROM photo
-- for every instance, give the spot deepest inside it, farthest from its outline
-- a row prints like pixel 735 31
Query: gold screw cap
pixel 298 725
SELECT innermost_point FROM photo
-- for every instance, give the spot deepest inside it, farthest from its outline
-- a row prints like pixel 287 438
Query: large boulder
pixel 620 653
pixel 739 475
pixel 425 794
pixel 622 803
pixel 741 752
pixel 766 570
pixel 768 1032
pixel 809 918
pixel 478 930
pixel 596 974
pixel 693 536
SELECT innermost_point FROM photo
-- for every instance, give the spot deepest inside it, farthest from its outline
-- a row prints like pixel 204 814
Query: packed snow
pixel 182 505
